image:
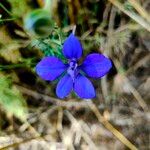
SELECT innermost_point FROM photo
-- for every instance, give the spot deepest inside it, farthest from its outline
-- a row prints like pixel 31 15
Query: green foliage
pixel 21 6
pixel 52 45
pixel 11 99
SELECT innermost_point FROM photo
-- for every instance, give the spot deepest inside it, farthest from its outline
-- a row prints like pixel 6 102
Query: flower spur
pixel 95 66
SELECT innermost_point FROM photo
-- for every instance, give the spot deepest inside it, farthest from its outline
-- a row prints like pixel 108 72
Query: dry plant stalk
pixel 79 125
pixel 135 93
pixel 140 9
pixel 84 104
pixel 110 127
pixel 135 17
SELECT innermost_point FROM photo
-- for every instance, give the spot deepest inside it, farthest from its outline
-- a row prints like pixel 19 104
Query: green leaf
pixel 11 99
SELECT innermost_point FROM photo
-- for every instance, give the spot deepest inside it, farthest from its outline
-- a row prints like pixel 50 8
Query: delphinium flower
pixel 74 76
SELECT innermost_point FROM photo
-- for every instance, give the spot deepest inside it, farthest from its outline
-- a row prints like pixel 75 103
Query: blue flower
pixel 95 66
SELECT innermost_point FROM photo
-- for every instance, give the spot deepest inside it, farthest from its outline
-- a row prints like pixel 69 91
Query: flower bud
pixel 39 22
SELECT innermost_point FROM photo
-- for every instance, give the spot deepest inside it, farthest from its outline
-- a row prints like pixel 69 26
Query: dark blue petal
pixel 64 86
pixel 83 87
pixel 96 65
pixel 72 48
pixel 49 68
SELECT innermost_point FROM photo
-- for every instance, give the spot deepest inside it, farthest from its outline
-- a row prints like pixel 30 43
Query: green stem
pixel 9 19
pixel 1 5
pixel 12 66
pixel 48 6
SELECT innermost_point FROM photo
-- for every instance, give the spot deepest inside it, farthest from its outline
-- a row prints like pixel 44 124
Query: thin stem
pixel 1 5
pixel 48 6
pixel 8 19
pixel 5 67
pixel 110 127
pixel 74 29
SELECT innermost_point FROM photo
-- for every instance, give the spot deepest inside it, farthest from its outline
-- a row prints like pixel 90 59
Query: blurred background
pixel 32 117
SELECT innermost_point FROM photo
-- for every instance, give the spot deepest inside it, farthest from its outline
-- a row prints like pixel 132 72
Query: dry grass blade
pixel 110 127
pixel 135 93
pixel 134 16
pixel 84 134
pixel 142 61
pixel 36 134
pixel 21 142
pixel 101 119
pixel 140 9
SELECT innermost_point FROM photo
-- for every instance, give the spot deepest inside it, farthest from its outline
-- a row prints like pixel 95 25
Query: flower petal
pixel 49 68
pixel 72 47
pixel 96 65
pixel 83 87
pixel 64 86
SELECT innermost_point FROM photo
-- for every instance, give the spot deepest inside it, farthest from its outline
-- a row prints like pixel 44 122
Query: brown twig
pixel 49 99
